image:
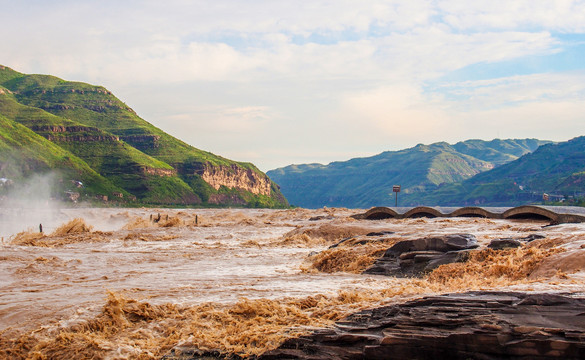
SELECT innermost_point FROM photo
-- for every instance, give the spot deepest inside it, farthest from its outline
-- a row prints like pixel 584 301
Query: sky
pixel 277 82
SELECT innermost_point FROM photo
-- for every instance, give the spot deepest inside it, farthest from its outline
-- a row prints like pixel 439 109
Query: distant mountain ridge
pixel 134 159
pixel 366 182
pixel 556 169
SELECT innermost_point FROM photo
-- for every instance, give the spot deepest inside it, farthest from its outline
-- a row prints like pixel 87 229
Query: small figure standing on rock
pixel 41 228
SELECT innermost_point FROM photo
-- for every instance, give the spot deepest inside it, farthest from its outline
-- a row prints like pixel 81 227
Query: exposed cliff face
pixel 81 138
pixel 73 133
pixel 61 128
pixel 236 177
pixel 159 172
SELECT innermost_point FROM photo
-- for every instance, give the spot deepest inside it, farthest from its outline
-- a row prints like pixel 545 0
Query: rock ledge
pixel 474 325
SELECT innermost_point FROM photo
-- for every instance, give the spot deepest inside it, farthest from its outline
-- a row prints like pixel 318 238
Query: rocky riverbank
pixel 473 325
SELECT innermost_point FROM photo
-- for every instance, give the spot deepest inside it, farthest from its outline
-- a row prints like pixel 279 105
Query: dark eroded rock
pixel 511 243
pixel 500 244
pixel 321 217
pixel 415 257
pixel 380 233
pixel 474 325
pixel 532 237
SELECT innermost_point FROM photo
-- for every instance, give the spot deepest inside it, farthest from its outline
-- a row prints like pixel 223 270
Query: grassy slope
pixel 497 151
pixel 106 157
pixel 552 168
pixel 96 106
pixel 23 152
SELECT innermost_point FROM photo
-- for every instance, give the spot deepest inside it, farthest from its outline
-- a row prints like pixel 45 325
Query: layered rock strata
pixel 236 177
pixel 471 326
pixel 474 325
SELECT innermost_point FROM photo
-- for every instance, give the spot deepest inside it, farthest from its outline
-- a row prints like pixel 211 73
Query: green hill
pixel 124 166
pixel 498 152
pixel 91 123
pixel 24 153
pixel 556 169
pixel 366 182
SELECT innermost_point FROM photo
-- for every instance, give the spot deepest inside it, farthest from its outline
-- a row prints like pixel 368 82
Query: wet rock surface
pixel 511 243
pixel 321 217
pixel 380 233
pixel 500 244
pixel 474 325
pixel 416 257
pixel 532 237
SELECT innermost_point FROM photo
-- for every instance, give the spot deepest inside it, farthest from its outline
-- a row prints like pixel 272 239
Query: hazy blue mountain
pixel 556 169
pixel 366 182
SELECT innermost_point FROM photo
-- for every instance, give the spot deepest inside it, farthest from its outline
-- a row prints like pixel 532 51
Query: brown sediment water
pixel 114 283
pixel 343 259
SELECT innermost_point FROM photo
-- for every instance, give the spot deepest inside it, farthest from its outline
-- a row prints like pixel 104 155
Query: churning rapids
pixel 120 283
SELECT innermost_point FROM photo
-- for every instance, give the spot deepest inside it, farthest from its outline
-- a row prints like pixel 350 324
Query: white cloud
pixel 181 41
pixel 551 120
pixel 430 52
pixel 394 112
pixel 525 89
pixel 297 17
pixel 558 15
pixel 326 77
pixel 241 120
pixel 546 106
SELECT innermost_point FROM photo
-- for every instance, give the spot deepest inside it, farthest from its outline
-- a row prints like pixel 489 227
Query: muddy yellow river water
pixel 114 283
